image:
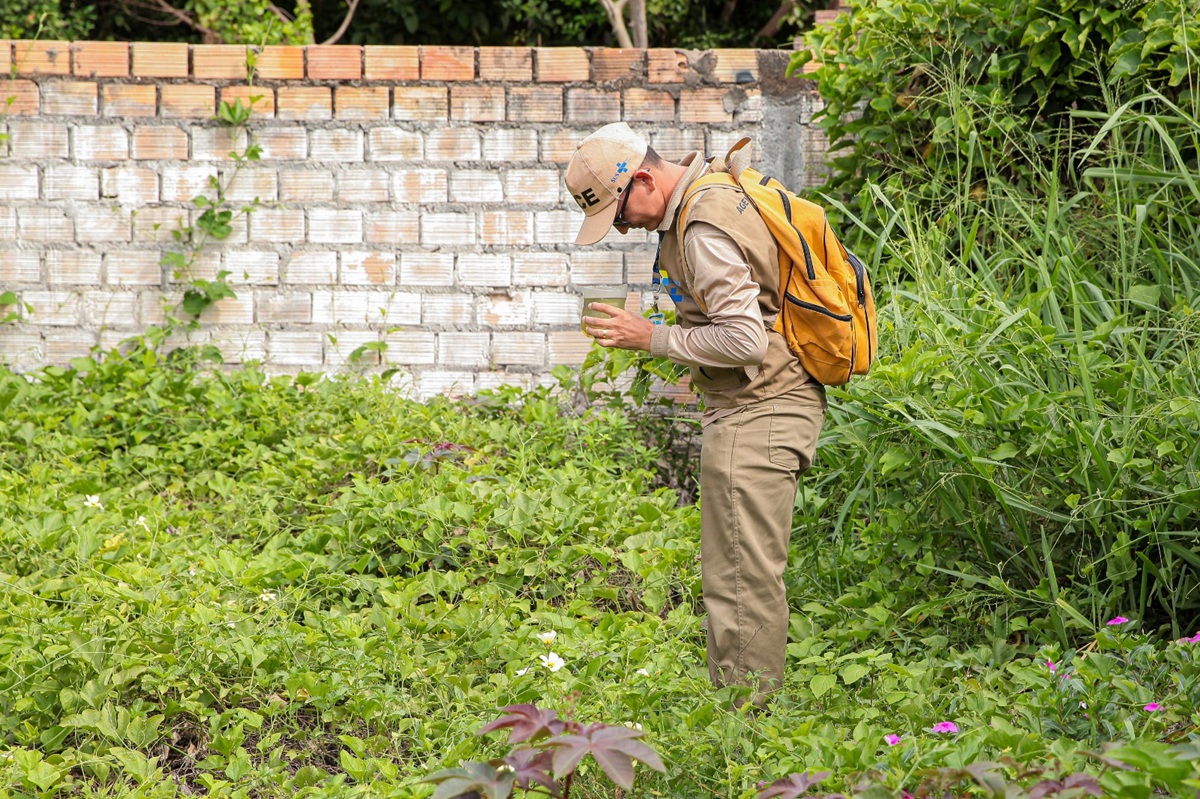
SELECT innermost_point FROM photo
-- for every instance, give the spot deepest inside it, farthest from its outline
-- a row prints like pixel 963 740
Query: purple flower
pixel 1195 639
pixel 1115 620
pixel 1050 664
pixel 892 740
pixel 944 726
pixel 1150 708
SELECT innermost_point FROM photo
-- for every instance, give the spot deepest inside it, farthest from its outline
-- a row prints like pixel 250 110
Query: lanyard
pixel 656 316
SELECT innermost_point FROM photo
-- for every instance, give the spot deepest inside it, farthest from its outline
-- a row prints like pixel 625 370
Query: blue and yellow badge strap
pixel 656 316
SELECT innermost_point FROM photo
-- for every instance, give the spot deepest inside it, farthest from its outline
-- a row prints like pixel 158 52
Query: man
pixel 763 412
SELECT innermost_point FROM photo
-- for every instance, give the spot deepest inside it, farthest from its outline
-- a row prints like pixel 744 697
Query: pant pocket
pixel 794 432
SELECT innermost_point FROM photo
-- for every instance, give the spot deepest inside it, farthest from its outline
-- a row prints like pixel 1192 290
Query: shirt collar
pixel 696 166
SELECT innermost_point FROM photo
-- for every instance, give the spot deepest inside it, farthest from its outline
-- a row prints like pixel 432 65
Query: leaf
pixel 612 747
pixel 822 684
pixel 527 721
pixel 855 672
pixel 530 766
pixel 792 785
pixel 472 776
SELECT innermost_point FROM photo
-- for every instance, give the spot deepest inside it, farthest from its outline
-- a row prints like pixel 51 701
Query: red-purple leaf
pixel 792 785
pixel 527 721
pixel 613 748
pixel 481 778
pixel 530 766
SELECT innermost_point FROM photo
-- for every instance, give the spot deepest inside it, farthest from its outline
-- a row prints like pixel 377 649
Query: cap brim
pixel 596 226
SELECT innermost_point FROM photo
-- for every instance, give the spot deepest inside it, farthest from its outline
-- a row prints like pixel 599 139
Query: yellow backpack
pixel 827 314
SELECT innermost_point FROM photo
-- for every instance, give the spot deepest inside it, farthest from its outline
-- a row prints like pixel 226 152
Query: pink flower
pixel 1115 620
pixel 1150 708
pixel 906 795
pixel 892 740
pixel 1195 639
pixel 944 726
pixel 1052 666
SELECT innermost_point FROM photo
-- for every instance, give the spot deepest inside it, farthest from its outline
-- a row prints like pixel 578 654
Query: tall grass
pixel 1034 424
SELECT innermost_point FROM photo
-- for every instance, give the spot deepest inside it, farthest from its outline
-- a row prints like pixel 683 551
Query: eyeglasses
pixel 619 220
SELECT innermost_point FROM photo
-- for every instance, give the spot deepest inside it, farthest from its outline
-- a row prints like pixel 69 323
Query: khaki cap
pixel 599 172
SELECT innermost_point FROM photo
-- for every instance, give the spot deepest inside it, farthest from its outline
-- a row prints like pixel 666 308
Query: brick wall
pixel 411 195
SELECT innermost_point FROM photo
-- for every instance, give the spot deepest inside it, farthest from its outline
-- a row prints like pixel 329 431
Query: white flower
pixel 642 673
pixel 93 501
pixel 230 624
pixel 522 672
pixel 192 572
pixel 141 522
pixel 552 661
pixel 547 637
pixel 633 725
pixel 266 596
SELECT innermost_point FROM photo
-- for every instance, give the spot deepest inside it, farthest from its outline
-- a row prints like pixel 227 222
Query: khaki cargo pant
pixel 750 463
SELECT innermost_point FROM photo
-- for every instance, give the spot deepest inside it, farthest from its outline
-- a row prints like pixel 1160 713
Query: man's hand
pixel 620 329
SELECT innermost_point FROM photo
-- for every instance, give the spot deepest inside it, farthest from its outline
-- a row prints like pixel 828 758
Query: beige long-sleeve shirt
pixel 722 281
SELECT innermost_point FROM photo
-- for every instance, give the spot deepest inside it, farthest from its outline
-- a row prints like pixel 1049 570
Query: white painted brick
pixel 37 140
pixel 103 223
pixel 215 144
pixel 335 145
pixel 507 144
pixel 341 344
pixel 296 348
pixel 67 182
pixel 100 143
pixel 59 308
pixel 306 185
pixel 426 269
pixel 394 308
pixel 292 308
pixel 368 268
pixel 250 183
pixel 18 182
pixel 279 225
pixel 255 268
pixel 304 268
pixel 393 227
pixel 133 268
pixel 204 266
pixel 180 184
pixel 484 269
pixel 463 349
pixel 504 308
pixel 391 144
pixel 155 223
pixel 362 186
pixel 233 311
pixel 557 227
pixel 598 267
pixel 428 385
pixel 8 223
pixel 283 144
pixel 116 309
pixel 491 381
pixel 556 308
pixel 540 269
pixel 639 265
pixel 475 186
pixel 21 349
pixel 64 345
pixel 452 144
pixel 332 226
pixel 409 348
pixel 518 348
pixel 129 185
pixel 540 186
pixel 72 267
pixel 448 228
pixel 240 346
pixel 20 266
pixel 340 307
pixel 446 310
pixel 507 228
pixel 568 347
pixel 420 186
pixel 44 224
pixel 152 305
pixel 674 143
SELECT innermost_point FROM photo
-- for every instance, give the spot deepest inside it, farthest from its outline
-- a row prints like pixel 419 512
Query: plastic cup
pixel 610 295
